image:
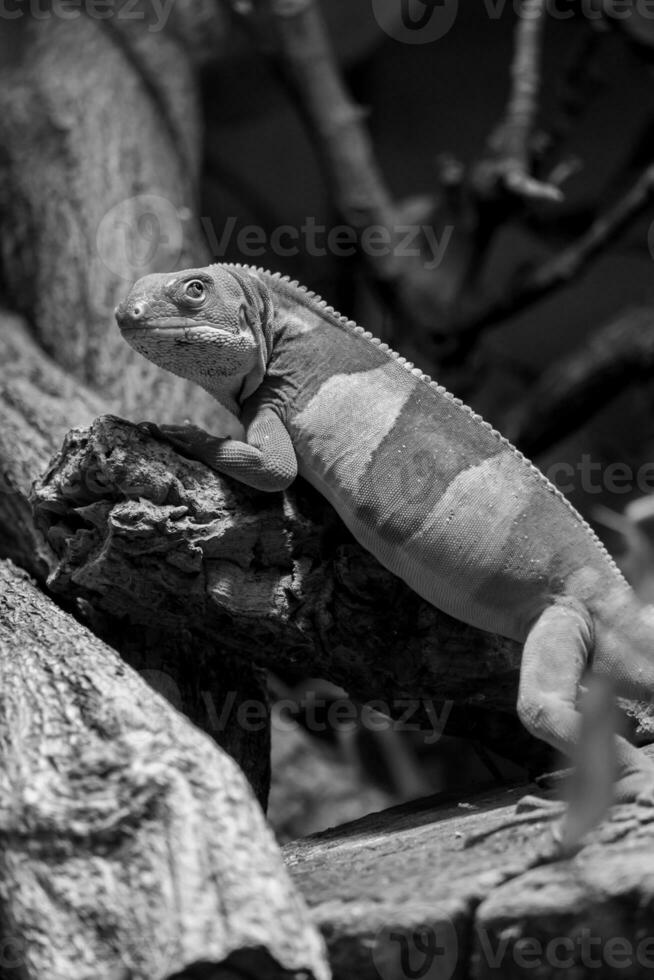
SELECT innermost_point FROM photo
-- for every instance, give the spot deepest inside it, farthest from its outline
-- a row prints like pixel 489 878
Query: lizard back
pixel 423 482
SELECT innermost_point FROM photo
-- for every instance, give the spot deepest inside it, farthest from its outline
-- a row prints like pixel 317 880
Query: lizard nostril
pixel 129 313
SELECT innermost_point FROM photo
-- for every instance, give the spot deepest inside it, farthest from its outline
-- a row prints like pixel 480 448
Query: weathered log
pixel 274 579
pixel 423 903
pixel 38 403
pixel 131 844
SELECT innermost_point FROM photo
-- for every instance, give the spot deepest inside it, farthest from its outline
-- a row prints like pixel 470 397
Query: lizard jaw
pixel 171 328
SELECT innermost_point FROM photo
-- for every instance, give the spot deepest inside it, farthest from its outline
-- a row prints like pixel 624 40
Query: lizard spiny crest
pixel 301 294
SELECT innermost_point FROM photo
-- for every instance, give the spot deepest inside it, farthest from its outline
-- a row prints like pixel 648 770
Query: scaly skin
pixel 424 484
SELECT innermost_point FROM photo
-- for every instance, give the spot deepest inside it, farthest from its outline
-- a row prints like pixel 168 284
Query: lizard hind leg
pixel 555 656
pixel 554 659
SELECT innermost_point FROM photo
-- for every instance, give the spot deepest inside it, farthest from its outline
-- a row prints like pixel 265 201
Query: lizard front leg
pixel 265 461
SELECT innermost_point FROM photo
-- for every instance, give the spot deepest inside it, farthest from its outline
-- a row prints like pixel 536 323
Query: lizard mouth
pixel 169 328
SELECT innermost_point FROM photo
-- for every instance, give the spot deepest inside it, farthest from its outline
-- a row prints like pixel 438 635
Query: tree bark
pixel 131 846
pixel 38 404
pixel 98 186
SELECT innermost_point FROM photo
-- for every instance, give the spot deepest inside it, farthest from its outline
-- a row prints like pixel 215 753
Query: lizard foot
pixel 536 810
pixel 636 787
pixel 646 796
pixel 531 804
pixel 190 440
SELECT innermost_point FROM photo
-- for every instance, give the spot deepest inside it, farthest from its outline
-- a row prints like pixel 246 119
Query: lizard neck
pixel 233 389
pixel 227 393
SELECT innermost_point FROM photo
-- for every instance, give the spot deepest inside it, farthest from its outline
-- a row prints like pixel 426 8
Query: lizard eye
pixel 194 291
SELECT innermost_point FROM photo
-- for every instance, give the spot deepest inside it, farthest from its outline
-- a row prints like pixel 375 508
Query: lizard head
pixel 210 325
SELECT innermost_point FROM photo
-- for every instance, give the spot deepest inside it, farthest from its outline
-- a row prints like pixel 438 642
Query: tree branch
pixel 559 269
pixel 416 293
pixel 569 393
pixel 345 150
pixel 509 148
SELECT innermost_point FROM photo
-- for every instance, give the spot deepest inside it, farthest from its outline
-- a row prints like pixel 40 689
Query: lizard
pixel 423 482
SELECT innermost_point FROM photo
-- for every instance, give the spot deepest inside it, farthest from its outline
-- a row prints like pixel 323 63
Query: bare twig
pixel 522 106
pixel 416 288
pixel 508 161
pixel 558 270
pixel 357 185
pixel 573 389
